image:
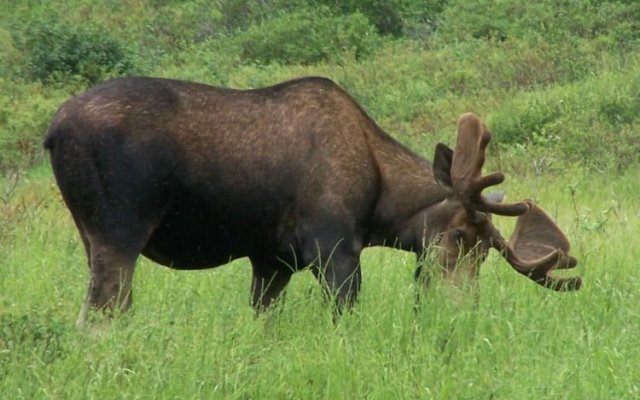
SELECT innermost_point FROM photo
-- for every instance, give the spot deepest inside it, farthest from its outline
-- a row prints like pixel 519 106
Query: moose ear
pixel 442 165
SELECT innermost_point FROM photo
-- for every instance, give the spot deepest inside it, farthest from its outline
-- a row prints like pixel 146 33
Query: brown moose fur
pixel 193 176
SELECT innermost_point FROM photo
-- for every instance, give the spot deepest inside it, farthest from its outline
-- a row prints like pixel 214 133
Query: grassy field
pixel 558 83
pixel 193 335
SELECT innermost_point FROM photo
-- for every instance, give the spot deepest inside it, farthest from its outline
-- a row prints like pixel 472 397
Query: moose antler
pixel 537 245
pixel 466 169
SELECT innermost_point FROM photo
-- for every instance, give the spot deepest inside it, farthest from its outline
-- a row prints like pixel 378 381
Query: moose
pixel 292 176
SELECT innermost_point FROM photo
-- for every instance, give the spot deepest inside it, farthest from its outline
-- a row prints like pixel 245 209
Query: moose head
pixel 463 220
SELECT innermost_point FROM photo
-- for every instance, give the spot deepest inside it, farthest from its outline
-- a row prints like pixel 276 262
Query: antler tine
pixel 466 169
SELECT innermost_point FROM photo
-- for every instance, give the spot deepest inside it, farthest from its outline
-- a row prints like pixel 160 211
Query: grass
pixel 558 87
pixel 193 335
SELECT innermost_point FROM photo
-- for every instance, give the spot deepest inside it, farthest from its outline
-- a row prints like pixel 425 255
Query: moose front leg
pixel 331 246
pixel 267 283
pixel 338 270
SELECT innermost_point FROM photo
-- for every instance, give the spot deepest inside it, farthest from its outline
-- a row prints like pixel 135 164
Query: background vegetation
pixel 558 82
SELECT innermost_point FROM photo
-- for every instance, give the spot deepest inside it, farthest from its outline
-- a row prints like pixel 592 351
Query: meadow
pixel 193 334
pixel 558 83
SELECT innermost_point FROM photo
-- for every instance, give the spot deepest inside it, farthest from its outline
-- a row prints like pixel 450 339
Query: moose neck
pixel 407 189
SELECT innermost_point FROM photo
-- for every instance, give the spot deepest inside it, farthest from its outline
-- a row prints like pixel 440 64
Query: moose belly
pixel 190 249
pixel 197 237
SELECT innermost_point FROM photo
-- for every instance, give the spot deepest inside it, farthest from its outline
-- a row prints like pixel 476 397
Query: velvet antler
pixel 537 245
pixel 466 169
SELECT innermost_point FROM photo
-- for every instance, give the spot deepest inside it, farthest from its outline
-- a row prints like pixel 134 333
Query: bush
pixel 177 25
pixel 10 57
pixel 499 20
pixel 307 37
pixel 386 16
pixel 594 121
pixel 395 17
pixel 25 113
pixel 56 50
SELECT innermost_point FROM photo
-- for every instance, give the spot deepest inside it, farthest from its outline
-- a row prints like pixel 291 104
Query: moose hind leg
pixel 112 269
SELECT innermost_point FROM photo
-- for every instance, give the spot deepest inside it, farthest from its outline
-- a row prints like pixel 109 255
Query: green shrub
pixel 594 121
pixel 386 16
pixel 395 17
pixel 10 57
pixel 59 50
pixel 178 25
pixel 25 113
pixel 498 20
pixel 552 76
pixel 307 37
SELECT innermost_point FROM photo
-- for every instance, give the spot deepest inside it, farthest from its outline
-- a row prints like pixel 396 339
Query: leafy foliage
pixel 594 115
pixel 552 19
pixel 307 37
pixel 57 51
pixel 396 17
pixel 535 68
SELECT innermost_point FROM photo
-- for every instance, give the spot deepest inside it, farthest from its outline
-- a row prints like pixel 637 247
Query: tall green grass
pixel 193 335
pixel 558 85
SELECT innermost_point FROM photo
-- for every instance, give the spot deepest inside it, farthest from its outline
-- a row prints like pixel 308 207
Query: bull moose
pixel 293 175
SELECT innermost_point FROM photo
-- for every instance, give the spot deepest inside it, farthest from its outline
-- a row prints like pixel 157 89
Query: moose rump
pixel 193 176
